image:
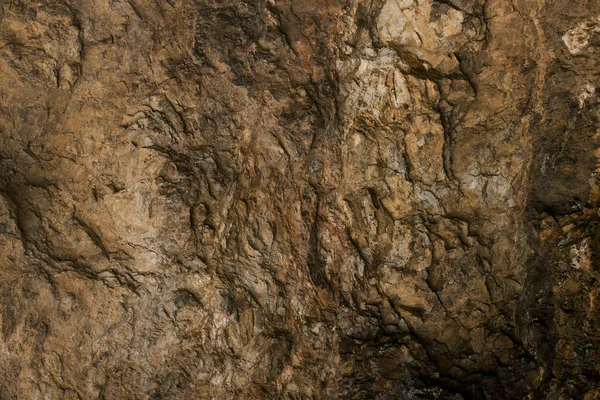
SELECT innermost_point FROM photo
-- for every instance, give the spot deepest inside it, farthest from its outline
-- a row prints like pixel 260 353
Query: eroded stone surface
pixel 389 199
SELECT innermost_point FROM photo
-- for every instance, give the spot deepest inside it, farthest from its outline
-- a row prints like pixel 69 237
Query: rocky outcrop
pixel 259 199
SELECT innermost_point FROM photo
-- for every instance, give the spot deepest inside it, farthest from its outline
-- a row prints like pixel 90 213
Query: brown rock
pixel 237 199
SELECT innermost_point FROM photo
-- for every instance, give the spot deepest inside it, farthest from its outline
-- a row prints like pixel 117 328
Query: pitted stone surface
pixel 299 199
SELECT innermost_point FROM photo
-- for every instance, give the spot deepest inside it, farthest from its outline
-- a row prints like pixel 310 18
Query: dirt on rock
pixel 299 199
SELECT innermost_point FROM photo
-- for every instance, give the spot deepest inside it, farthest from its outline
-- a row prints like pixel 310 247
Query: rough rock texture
pixel 299 199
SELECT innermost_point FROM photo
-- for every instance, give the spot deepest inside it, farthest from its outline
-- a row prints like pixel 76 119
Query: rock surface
pixel 299 199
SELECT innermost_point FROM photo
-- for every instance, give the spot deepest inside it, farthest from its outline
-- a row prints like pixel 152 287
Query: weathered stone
pixel 390 199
